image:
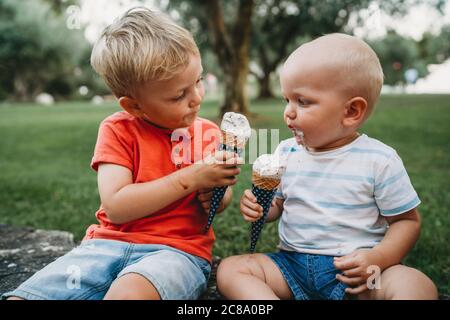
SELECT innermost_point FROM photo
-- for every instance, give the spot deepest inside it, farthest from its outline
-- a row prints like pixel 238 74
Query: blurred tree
pixel 38 51
pixel 398 54
pixel 436 48
pixel 277 27
pixel 60 6
pixel 228 26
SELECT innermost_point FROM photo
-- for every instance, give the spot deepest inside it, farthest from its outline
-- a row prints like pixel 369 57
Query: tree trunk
pixel 265 90
pixel 235 89
pixel 232 50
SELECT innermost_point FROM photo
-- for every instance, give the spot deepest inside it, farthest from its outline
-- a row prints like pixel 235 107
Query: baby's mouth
pixel 299 136
pixel 297 132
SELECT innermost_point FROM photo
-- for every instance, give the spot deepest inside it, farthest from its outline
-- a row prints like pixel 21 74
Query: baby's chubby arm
pixel 126 201
pixel 252 211
pixel 402 234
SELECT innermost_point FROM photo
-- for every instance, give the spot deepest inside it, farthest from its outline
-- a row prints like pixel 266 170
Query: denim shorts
pixel 87 272
pixel 310 277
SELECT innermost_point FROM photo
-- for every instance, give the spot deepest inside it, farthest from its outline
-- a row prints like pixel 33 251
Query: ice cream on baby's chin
pixel 299 136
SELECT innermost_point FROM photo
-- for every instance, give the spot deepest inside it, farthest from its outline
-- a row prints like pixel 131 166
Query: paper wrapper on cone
pixel 229 143
pixel 264 189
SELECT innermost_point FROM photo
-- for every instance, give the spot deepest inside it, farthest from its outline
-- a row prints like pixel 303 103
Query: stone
pixel 24 251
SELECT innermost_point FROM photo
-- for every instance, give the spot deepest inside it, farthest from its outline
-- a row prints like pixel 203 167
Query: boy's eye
pixel 200 79
pixel 179 97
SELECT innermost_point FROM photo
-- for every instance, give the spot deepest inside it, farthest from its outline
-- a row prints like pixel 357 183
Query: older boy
pixel 150 241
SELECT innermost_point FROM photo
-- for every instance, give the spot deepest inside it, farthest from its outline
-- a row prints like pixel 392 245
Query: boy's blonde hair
pixel 141 46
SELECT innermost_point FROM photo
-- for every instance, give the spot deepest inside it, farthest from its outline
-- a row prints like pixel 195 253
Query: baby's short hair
pixel 141 46
pixel 363 68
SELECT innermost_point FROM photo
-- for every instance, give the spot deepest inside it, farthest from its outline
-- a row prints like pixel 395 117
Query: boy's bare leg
pixel 402 283
pixel 251 276
pixel 132 286
pixel 14 298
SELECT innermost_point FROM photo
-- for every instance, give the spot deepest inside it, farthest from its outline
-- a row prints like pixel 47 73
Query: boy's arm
pixel 125 201
pixel 402 234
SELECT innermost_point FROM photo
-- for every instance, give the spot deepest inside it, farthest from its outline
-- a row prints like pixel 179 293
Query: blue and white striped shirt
pixel 335 201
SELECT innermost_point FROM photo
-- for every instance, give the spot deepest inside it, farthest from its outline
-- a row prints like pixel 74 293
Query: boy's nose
pixel 196 99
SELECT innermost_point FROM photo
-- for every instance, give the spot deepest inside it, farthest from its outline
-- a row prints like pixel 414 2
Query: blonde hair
pixel 141 46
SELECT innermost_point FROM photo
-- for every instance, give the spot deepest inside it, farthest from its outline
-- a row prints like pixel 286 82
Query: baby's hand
pixel 250 208
pixel 356 269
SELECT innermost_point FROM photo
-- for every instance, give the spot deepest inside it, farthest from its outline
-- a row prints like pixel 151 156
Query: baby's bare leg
pixel 402 283
pixel 14 298
pixel 251 276
pixel 132 286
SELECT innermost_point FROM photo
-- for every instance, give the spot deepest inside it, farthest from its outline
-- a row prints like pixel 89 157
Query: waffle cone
pixel 264 182
pixel 230 139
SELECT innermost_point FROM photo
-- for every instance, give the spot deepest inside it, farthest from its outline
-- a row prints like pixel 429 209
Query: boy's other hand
pixel 204 196
pixel 356 269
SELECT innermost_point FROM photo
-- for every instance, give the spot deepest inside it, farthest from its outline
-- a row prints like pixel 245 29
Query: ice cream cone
pixel 233 139
pixel 264 190
pixel 266 177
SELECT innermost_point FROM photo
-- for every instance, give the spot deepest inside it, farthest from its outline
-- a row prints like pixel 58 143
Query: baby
pixel 348 209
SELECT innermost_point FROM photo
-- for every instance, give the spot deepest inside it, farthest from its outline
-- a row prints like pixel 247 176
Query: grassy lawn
pixel 46 182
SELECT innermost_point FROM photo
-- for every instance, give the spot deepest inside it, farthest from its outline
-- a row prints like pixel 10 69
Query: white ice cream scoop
pixel 236 124
pixel 269 165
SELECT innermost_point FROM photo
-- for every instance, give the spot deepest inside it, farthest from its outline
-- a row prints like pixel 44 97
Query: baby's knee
pixel 407 283
pixel 228 268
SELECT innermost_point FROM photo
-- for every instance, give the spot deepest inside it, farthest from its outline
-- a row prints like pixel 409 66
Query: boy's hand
pixel 250 208
pixel 204 196
pixel 355 269
pixel 218 170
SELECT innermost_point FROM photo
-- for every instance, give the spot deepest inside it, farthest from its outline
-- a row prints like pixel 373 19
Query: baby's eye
pixel 286 100
pixel 302 102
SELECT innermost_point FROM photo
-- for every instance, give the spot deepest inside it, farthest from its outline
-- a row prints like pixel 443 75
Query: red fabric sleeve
pixel 114 145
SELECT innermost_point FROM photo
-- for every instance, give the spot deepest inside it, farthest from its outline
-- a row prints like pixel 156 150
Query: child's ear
pixel 355 111
pixel 131 106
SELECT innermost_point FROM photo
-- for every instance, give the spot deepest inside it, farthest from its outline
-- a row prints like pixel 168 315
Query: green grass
pixel 46 182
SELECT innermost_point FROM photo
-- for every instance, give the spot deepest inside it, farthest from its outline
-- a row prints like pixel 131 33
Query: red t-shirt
pixel 150 153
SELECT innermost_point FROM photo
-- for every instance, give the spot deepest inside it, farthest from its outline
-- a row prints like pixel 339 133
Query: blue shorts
pixel 310 277
pixel 88 271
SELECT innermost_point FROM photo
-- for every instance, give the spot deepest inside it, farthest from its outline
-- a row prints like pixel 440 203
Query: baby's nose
pixel 290 113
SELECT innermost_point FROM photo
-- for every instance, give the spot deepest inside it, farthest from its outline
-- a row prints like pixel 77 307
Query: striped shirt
pixel 335 201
